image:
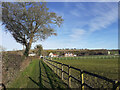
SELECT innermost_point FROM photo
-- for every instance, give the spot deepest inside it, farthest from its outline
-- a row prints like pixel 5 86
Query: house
pixel 74 55
pixel 68 55
pixel 108 52
pixel 32 54
pixel 53 55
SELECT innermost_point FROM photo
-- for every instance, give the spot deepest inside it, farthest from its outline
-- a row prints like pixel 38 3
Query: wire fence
pixel 77 78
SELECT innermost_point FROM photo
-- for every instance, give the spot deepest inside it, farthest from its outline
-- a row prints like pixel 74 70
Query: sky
pixel 91 25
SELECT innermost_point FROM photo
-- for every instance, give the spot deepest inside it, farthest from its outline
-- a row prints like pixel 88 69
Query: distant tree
pixel 74 48
pixel 38 49
pixel 66 48
pixel 29 22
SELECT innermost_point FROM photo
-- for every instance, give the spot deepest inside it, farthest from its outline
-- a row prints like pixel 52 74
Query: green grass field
pixel 104 67
pixel 37 75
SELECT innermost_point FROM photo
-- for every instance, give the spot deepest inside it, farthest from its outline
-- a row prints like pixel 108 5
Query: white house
pixel 108 52
pixel 70 55
pixel 32 54
pixel 53 55
pixel 74 55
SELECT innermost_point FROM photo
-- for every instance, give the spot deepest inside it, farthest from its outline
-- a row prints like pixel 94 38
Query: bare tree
pixel 29 22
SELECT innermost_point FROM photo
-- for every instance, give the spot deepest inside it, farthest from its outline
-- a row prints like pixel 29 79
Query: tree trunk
pixel 27 50
pixel 28 46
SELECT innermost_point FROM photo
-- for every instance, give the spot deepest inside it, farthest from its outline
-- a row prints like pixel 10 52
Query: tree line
pixel 79 52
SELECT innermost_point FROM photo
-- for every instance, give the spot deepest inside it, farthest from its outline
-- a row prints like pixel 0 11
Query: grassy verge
pixel 37 75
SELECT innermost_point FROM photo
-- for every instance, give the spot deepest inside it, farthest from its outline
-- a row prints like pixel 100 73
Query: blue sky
pixel 92 25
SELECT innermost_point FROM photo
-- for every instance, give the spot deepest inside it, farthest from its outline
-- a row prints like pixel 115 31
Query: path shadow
pixel 54 80
pixel 48 76
pixel 40 79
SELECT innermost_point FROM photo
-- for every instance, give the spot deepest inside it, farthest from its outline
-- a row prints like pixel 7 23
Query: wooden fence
pixel 58 67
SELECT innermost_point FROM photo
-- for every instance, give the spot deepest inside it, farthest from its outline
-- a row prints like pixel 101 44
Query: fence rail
pixel 54 66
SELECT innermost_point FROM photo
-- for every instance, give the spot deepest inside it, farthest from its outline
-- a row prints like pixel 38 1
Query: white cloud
pixel 76 33
pixel 97 17
pixel 104 19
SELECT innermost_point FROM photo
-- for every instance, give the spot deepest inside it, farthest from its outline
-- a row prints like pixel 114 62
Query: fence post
pixel 53 67
pixel 51 58
pixel 56 68
pixel 62 71
pixel 116 85
pixel 82 81
pixel 69 76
